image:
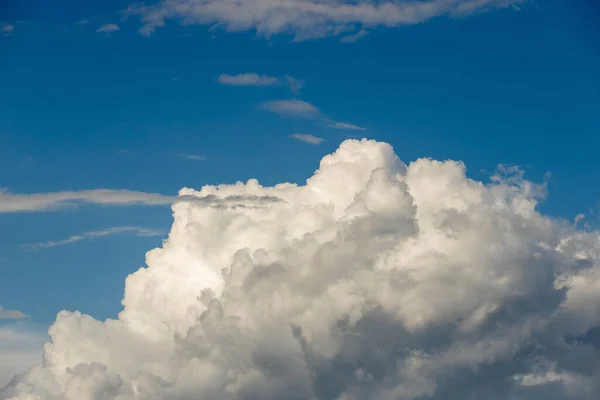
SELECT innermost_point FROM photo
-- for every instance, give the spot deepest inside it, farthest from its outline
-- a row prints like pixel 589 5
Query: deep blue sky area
pixel 81 109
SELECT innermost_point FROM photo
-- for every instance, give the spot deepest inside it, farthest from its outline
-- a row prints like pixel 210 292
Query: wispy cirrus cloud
pixel 354 37
pixel 293 107
pixel 195 157
pixel 306 138
pixel 108 29
pixel 137 231
pixel 7 29
pixel 344 125
pixel 303 109
pixel 11 314
pixel 305 19
pixel 50 201
pixel 254 79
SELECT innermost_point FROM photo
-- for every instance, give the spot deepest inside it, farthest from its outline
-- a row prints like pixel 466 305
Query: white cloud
pixel 303 137
pixel 253 79
pixel 305 19
pixel 291 107
pixel 137 231
pixel 196 157
pixel 374 280
pixel 344 125
pixel 11 314
pixel 108 28
pixel 7 29
pixel 304 109
pixel 354 37
pixel 19 350
pixel 248 79
pixel 82 22
pixel 54 200
pixel 35 202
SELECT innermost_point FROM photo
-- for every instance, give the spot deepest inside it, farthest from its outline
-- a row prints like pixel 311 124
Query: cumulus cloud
pixel 373 280
pixel 108 28
pixel 293 107
pixel 137 231
pixel 303 137
pixel 31 202
pixel 11 314
pixel 253 79
pixel 305 19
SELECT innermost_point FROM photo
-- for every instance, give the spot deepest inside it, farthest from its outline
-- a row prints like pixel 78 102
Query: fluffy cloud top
pixel 306 19
pixel 374 280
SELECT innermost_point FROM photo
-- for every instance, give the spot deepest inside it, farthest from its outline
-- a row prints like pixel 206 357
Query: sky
pixel 108 109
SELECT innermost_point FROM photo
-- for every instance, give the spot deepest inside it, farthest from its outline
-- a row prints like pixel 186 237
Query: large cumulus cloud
pixel 374 280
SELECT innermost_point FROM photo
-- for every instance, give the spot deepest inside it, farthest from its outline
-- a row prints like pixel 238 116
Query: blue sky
pixel 84 107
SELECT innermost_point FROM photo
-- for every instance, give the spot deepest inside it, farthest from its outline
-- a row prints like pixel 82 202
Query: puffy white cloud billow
pixel 374 280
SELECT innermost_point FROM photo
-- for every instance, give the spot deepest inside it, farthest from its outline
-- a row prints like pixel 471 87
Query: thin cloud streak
pixel 57 200
pixel 196 157
pixel 108 28
pixel 306 138
pixel 291 107
pixel 248 79
pixel 7 29
pixel 11 314
pixel 254 79
pixel 38 202
pixel 354 37
pixel 346 126
pixel 137 231
pixel 303 109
